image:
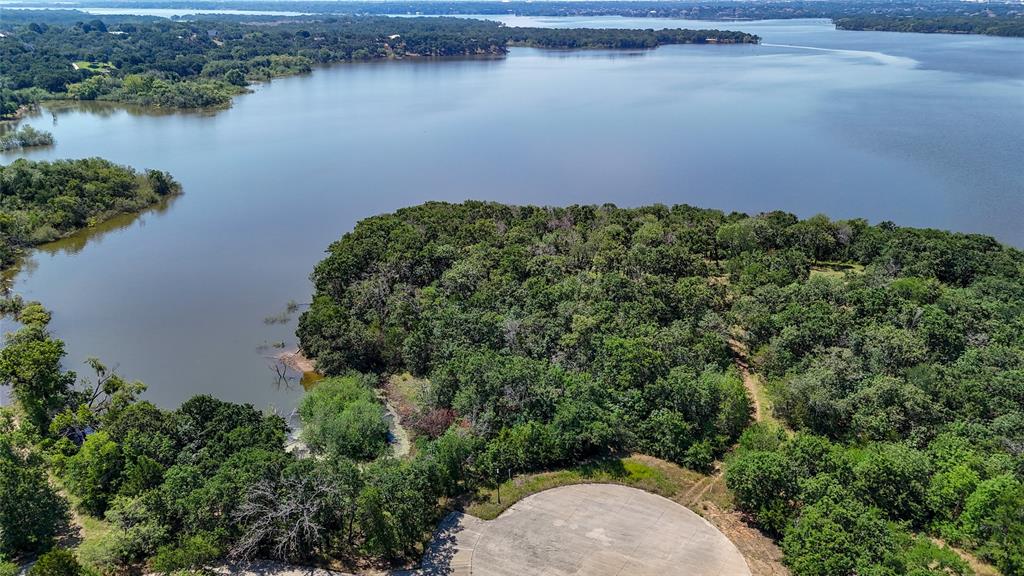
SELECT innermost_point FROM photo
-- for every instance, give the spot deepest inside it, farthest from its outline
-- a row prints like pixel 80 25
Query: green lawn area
pixel 835 269
pixel 91 531
pixel 95 66
pixel 643 472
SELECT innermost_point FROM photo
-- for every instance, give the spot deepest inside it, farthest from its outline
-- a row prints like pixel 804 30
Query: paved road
pixel 585 530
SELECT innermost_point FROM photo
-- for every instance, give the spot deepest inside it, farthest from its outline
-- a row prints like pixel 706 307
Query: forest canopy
pixel 895 355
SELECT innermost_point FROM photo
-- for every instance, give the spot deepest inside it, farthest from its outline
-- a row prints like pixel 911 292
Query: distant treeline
pixel 620 39
pixel 13 19
pixel 947 24
pixel 714 10
pixel 205 63
pixel 43 201
pixel 952 16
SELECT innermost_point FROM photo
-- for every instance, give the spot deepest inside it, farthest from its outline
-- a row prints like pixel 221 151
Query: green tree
pixel 948 491
pixel 837 534
pixel 523 447
pixel 57 562
pixel 396 507
pixel 895 478
pixel 31 511
pixel 993 519
pixel 890 409
pixel 451 451
pixel 765 487
pixel 94 473
pixel 30 365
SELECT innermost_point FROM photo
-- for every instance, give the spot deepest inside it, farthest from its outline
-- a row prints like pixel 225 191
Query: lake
pixel 923 130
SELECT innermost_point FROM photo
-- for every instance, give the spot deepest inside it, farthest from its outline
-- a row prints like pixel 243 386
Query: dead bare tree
pixel 294 515
pixel 282 375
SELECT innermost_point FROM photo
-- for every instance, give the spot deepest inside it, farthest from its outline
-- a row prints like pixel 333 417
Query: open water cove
pixel 920 130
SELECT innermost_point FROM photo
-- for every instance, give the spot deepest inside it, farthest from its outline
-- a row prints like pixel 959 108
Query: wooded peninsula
pixel 888 410
pixel 890 356
pixel 43 201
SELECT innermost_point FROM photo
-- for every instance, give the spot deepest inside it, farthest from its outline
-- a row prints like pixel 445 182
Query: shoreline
pixel 297 361
pixel 113 221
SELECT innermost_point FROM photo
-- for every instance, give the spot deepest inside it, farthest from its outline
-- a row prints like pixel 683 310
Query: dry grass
pixel 407 392
pixel 103 67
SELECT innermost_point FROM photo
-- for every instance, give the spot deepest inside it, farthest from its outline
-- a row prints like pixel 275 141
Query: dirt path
pixel 401 445
pixel 980 567
pixel 694 495
pixel 763 556
pixel 750 380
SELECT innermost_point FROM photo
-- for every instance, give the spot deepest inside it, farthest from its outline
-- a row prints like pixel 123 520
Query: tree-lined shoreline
pixel 45 201
pixel 204 64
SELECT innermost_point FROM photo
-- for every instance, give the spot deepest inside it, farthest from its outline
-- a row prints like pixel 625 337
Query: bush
pixel 56 562
pixel 765 488
pixel 341 417
pixel 762 436
pixel 25 137
pixel 33 313
pixel 193 552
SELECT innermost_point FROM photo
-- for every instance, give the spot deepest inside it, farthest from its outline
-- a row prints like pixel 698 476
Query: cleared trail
pixel 750 381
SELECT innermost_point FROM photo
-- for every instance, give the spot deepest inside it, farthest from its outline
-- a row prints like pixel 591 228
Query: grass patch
pixel 638 471
pixel 766 399
pixel 87 532
pixel 408 392
pixel 835 269
pixel 103 67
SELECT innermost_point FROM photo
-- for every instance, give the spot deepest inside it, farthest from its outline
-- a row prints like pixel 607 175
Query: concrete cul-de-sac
pixel 585 530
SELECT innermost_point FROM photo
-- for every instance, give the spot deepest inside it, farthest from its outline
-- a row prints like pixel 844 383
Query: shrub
pixel 192 552
pixel 56 562
pixel 342 417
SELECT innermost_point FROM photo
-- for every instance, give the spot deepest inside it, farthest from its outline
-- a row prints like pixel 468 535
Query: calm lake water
pixel 924 130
